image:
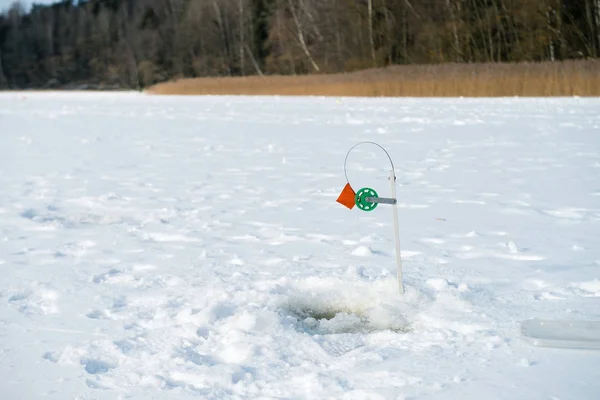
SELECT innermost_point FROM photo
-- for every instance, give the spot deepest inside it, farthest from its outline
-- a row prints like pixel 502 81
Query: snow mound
pixel 322 306
pixel 362 251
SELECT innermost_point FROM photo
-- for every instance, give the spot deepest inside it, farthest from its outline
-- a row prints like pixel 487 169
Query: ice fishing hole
pixel 340 320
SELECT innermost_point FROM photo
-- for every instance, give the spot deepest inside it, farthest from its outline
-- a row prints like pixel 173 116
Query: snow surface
pixel 191 247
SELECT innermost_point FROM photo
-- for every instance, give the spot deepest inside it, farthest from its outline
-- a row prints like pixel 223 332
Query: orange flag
pixel 347 197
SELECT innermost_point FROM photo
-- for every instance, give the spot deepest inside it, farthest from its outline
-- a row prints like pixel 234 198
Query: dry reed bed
pixel 568 78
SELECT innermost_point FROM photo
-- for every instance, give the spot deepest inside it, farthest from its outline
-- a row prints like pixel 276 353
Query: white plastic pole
pixel 396 232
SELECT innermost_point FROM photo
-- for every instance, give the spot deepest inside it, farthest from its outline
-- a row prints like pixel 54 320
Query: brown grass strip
pixel 568 78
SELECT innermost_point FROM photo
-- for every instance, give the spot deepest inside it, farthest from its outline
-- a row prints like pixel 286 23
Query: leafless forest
pixel 137 43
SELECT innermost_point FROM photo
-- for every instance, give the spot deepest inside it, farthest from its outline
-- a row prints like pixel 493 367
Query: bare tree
pixel 300 33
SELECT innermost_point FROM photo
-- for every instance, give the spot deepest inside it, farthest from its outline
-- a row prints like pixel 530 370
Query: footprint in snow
pixel 94 366
pixel 35 300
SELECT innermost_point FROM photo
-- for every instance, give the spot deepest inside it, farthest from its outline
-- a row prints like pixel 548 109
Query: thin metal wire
pixel 358 144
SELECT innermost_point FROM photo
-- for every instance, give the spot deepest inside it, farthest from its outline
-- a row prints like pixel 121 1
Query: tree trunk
pixel 591 17
pixel 482 33
pixel 315 26
pixel 2 77
pixel 203 57
pixel 253 60
pixel 134 66
pixel 597 18
pixel 457 50
pixel 490 38
pixel 550 38
pixel 285 48
pixel 51 50
pixel 338 43
pixel 405 34
pixel 225 43
pixel 241 11
pixel 370 24
pixel 501 34
pixel 559 28
pixel 388 34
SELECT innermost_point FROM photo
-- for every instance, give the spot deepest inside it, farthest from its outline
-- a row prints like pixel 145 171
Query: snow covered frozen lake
pixel 192 247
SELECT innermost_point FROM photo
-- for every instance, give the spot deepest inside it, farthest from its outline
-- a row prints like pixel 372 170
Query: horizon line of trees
pixel 137 43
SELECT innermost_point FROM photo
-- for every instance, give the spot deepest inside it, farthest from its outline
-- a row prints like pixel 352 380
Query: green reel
pixel 361 199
